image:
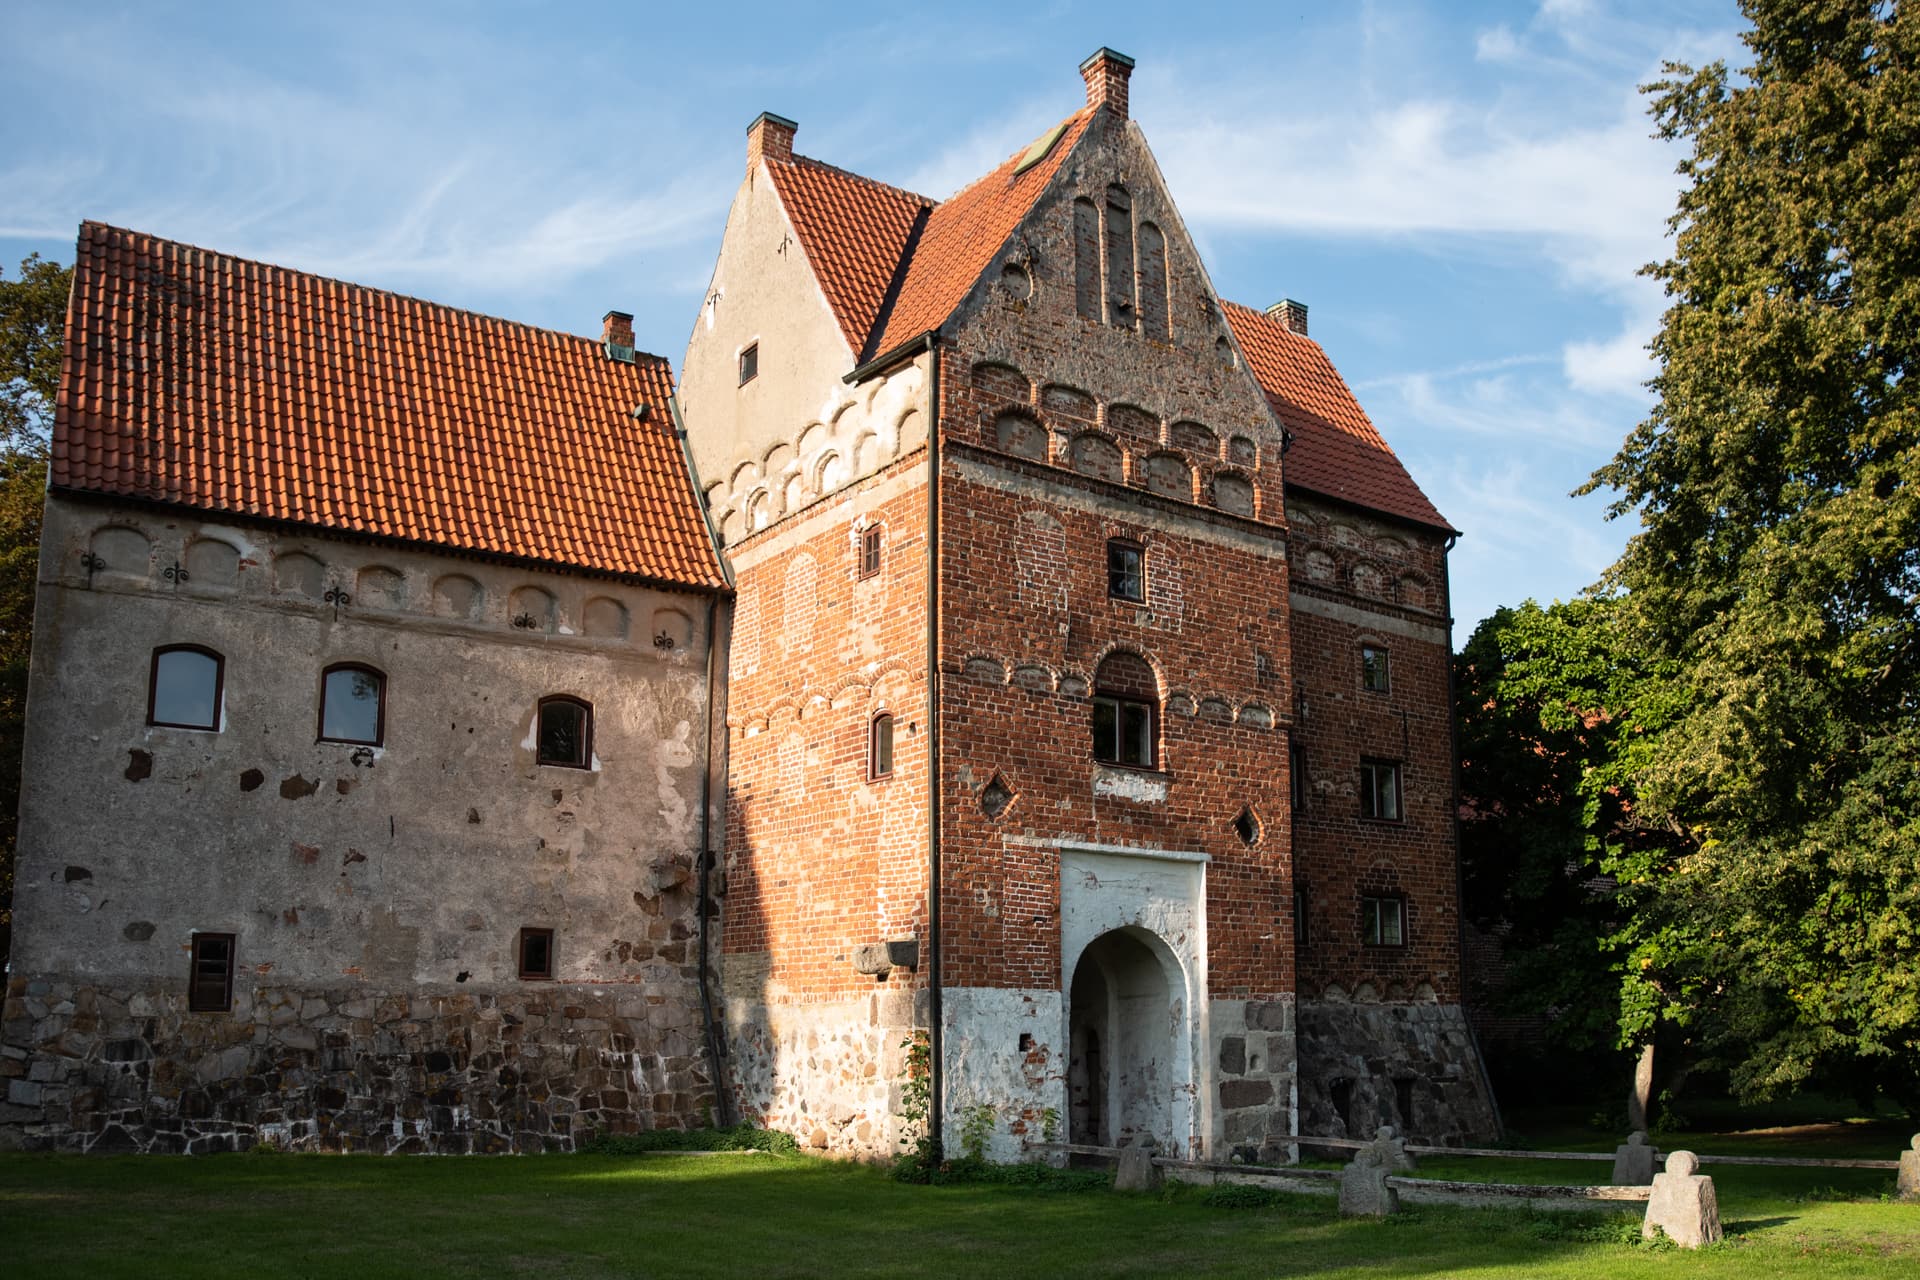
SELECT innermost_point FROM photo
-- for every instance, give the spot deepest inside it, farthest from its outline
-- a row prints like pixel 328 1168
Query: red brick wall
pixel 822 859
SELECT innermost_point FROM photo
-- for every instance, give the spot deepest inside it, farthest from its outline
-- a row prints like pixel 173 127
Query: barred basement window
pixel 880 747
pixel 536 953
pixel 566 732
pixel 210 973
pixel 1380 790
pixel 1126 571
pixel 184 689
pixel 749 364
pixel 870 550
pixel 1374 674
pixel 1383 921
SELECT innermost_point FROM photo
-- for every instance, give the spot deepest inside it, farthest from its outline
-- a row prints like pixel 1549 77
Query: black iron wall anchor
pixel 663 642
pixel 175 574
pixel 92 564
pixel 336 597
pixel 525 622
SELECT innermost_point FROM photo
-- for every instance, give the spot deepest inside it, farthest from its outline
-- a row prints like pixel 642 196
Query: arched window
pixel 353 705
pixel 566 732
pixel 880 746
pixel 185 688
pixel 1126 706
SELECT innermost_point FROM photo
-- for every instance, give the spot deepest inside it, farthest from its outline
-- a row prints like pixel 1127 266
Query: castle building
pixel 1055 693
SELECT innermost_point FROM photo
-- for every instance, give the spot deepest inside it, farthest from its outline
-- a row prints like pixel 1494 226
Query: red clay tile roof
pixel 963 233
pixel 861 237
pixel 1337 452
pixel 212 382
pixel 854 231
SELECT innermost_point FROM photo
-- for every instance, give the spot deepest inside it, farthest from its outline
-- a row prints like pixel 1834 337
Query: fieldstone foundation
pixel 1412 1066
pixel 106 1069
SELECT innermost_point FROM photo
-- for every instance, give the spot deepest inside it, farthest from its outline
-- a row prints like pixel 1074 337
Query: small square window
pixel 536 953
pixel 749 364
pixel 870 551
pixel 880 747
pixel 1380 790
pixel 1374 676
pixel 1126 571
pixel 1383 921
pixel 210 973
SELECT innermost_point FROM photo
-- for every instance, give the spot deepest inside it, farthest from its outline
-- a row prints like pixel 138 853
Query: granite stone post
pixel 1633 1162
pixel 1682 1204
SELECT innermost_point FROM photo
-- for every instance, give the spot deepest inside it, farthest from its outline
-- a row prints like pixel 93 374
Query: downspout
pixel 1459 879
pixel 716 1050
pixel 936 1061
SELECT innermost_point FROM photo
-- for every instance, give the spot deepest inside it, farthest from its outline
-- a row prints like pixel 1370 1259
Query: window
pixel 536 953
pixel 566 732
pixel 210 977
pixel 1383 921
pixel 353 705
pixel 1246 826
pixel 1373 669
pixel 1126 698
pixel 1297 759
pixel 870 551
pixel 1301 935
pixel 749 364
pixel 1380 790
pixel 1126 571
pixel 184 690
pixel 880 746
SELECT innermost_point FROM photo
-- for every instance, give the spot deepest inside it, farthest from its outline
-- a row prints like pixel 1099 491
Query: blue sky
pixel 1461 192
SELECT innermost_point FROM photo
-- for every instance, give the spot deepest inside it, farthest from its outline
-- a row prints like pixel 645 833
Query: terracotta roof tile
pixel 962 235
pixel 208 381
pixel 1337 451
pixel 855 231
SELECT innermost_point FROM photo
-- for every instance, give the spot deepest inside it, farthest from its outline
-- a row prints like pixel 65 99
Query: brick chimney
pixel 617 327
pixel 771 136
pixel 1106 74
pixel 1291 314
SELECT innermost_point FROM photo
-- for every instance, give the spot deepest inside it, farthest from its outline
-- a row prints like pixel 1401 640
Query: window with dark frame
pixel 1302 935
pixel 1125 707
pixel 870 550
pixel 1375 676
pixel 566 732
pixel 1380 790
pixel 185 687
pixel 353 705
pixel 880 746
pixel 536 953
pixel 749 363
pixel 210 973
pixel 1126 571
pixel 1297 762
pixel 1383 920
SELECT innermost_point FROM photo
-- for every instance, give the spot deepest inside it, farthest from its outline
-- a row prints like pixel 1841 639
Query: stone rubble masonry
pixel 112 1069
pixel 1382 1055
pixel 828 1072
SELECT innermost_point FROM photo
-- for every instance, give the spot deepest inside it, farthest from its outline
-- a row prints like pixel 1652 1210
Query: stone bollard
pixel 1682 1204
pixel 1392 1150
pixel 1137 1170
pixel 1363 1187
pixel 1908 1186
pixel 1633 1163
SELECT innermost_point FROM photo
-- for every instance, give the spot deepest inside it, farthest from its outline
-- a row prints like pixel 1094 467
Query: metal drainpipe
pixel 1459 880
pixel 716 1053
pixel 935 1039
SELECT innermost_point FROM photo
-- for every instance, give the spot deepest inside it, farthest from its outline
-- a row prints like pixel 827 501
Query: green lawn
pixel 363 1217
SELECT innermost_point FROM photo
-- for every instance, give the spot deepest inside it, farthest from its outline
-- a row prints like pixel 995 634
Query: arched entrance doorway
pixel 1125 1006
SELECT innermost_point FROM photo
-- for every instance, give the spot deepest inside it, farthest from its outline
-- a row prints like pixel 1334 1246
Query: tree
pixel 1777 565
pixel 32 330
pixel 1555 715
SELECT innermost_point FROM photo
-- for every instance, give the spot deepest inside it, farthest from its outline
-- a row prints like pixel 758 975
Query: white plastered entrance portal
pixel 1133 953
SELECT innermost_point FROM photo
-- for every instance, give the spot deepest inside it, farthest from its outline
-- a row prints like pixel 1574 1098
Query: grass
pixel 770 1215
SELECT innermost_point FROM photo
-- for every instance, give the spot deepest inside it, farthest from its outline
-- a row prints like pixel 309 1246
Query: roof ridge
pixel 367 288
pixel 929 201
pixel 1262 315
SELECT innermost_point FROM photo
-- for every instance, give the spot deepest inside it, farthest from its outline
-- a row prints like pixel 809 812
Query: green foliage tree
pixel 1777 565
pixel 32 330
pixel 1555 715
